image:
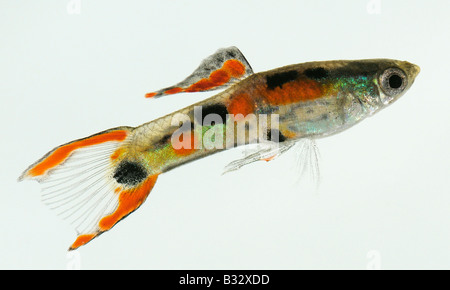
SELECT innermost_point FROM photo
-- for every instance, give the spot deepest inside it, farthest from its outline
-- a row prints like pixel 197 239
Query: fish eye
pixel 393 81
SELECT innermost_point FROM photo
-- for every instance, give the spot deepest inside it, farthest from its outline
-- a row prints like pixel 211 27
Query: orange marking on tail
pixel 117 153
pixel 241 104
pixel 129 201
pixel 81 240
pixel 63 152
pixel 231 68
pixel 292 92
pixel 150 95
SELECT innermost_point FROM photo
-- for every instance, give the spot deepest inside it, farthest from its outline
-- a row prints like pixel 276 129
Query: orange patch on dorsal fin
pixel 150 95
pixel 231 69
pixel 219 70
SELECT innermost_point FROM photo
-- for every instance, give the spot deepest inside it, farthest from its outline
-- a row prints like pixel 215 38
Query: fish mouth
pixel 415 70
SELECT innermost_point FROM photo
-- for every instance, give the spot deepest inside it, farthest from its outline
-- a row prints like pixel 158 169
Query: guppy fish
pixel 97 181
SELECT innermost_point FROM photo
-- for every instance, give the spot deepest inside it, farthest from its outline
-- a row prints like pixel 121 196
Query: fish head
pixel 393 79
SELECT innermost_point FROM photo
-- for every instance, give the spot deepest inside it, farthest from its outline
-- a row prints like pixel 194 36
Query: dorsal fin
pixel 221 69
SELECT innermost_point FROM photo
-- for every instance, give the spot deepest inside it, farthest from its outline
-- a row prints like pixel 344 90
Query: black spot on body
pixel 275 135
pixel 279 79
pixel 218 109
pixel 316 73
pixel 130 173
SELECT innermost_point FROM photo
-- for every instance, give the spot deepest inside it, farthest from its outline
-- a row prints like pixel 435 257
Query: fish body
pixel 312 100
pixel 97 181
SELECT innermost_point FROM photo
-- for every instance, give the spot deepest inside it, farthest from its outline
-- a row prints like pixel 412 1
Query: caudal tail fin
pixel 92 183
pixel 219 70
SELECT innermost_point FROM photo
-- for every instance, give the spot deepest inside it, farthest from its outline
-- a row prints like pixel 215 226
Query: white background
pixel 384 196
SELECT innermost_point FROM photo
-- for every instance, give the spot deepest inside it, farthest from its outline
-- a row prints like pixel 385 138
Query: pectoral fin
pixel 264 152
